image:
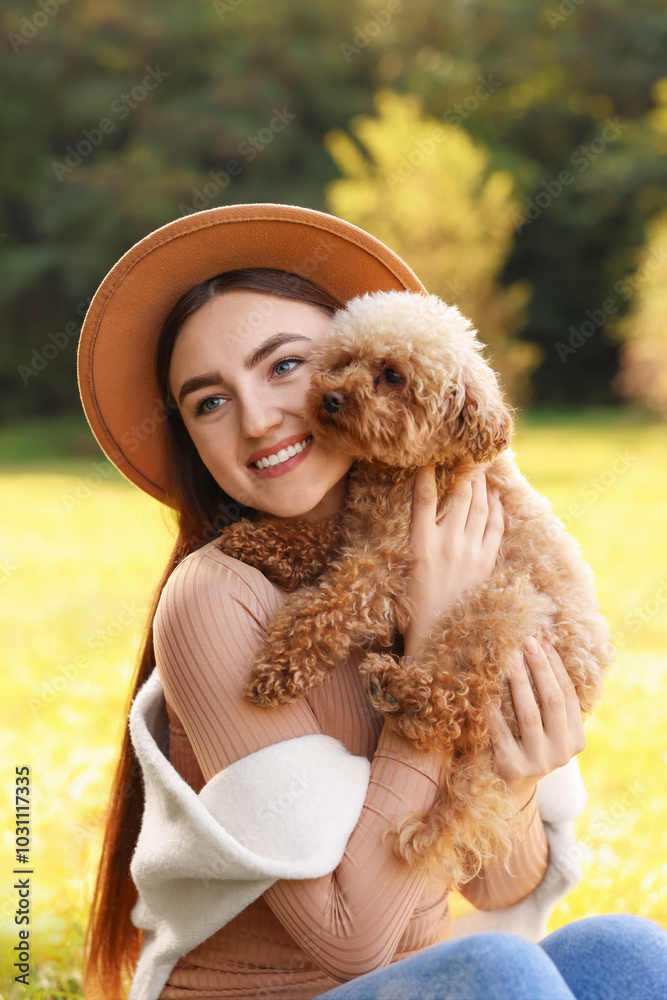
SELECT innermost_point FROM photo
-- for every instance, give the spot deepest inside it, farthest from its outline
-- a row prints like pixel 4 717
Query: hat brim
pixel 116 354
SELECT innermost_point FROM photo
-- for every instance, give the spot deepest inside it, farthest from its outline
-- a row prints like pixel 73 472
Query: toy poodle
pixel 402 383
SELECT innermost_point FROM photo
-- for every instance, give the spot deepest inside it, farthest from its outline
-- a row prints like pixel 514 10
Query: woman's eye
pixel 285 361
pixel 202 407
pixel 280 368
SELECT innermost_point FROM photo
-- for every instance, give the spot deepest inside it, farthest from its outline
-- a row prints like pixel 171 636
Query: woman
pixel 194 362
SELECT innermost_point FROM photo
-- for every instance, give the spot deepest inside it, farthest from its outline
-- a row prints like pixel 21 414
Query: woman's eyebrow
pixel 262 352
pixel 269 346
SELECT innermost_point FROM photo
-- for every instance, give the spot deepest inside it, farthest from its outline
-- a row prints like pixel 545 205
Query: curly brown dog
pixel 403 383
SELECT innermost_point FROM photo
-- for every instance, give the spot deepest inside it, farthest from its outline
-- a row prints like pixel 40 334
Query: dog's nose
pixel 333 400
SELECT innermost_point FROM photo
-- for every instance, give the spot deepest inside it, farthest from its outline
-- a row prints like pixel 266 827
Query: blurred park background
pixel 515 155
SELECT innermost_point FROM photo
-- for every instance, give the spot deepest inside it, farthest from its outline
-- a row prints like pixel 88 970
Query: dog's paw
pixel 407 692
pixel 380 697
pixel 391 687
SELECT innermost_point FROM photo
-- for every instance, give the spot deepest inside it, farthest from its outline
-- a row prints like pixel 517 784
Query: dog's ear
pixel 484 425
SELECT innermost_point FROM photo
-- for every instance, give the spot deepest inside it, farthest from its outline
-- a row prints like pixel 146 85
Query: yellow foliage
pixel 424 188
pixel 643 373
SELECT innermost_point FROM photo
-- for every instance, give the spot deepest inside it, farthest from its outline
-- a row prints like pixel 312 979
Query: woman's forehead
pixel 234 326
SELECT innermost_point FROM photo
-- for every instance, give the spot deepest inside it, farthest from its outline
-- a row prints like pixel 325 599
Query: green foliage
pixel 424 188
pixel 533 83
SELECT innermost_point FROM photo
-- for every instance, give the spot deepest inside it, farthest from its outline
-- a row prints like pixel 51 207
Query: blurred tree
pixel 123 118
pixel 569 88
pixel 424 188
pixel 643 373
pixel 533 81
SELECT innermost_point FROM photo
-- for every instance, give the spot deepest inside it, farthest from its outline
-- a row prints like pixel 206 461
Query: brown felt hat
pixel 116 356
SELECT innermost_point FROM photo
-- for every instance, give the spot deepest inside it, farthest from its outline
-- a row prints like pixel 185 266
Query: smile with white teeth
pixel 282 455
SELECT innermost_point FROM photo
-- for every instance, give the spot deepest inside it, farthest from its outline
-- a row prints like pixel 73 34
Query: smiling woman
pixel 259 412
pixel 246 849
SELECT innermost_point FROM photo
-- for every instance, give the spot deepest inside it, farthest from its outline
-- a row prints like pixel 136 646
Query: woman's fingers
pixel 478 509
pixel 456 517
pixel 424 504
pixel 505 747
pixel 553 735
pixel 527 711
pixel 575 718
pixel 450 555
pixel 539 727
pixel 470 509
pixel 495 528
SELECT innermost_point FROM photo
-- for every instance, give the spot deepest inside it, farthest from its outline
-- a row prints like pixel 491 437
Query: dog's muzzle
pixel 333 400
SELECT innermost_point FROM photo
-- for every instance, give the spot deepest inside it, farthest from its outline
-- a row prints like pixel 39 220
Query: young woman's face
pixel 239 372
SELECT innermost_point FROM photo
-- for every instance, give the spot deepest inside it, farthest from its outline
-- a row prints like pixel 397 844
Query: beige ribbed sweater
pixel 305 936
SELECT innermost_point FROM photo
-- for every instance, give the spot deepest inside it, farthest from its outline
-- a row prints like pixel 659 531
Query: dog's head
pixel 402 381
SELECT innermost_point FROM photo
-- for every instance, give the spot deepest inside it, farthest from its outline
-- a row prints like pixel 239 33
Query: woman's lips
pixel 278 470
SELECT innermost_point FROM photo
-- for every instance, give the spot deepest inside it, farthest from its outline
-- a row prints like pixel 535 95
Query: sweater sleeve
pixel 208 626
pixel 495 888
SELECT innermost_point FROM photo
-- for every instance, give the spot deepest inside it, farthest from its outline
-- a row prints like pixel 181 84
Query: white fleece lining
pixel 201 859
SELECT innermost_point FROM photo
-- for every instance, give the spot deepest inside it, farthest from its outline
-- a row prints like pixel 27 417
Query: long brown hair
pixel 202 510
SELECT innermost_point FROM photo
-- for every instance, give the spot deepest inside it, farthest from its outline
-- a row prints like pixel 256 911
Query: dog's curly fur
pixel 403 383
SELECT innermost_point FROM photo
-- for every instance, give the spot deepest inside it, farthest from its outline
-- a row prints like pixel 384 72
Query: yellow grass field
pixel 81 551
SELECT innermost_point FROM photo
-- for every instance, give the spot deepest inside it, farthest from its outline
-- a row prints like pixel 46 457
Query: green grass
pixel 81 554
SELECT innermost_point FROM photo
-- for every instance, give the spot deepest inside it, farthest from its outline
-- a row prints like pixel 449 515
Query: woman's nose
pixel 258 417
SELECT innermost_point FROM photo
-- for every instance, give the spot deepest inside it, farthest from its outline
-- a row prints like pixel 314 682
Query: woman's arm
pixel 209 624
pixel 495 888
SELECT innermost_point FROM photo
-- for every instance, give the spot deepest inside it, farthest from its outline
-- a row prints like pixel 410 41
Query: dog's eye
pixel 392 377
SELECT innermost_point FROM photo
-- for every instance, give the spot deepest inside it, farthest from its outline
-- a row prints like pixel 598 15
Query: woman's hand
pixel 548 740
pixel 452 555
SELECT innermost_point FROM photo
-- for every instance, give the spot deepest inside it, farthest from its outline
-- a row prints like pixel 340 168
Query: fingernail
pixel 516 661
pixel 530 645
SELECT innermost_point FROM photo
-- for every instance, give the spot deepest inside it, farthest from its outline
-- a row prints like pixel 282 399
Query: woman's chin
pixel 311 504
pixel 295 510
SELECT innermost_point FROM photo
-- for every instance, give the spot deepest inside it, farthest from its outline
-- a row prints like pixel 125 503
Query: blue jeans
pixel 617 956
